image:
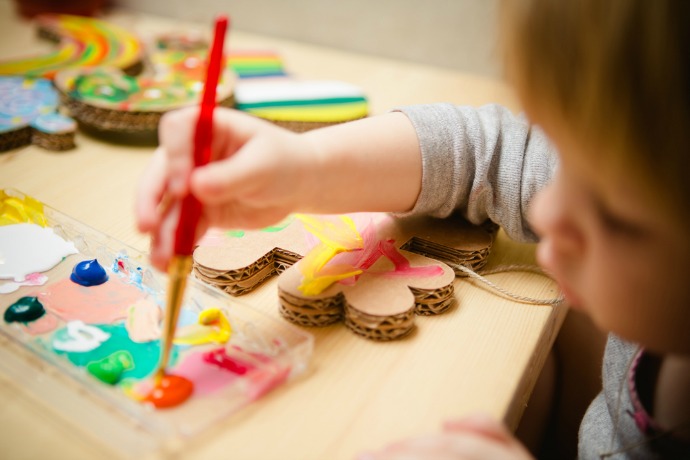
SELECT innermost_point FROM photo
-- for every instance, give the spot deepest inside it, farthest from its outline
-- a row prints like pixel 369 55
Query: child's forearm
pixel 372 164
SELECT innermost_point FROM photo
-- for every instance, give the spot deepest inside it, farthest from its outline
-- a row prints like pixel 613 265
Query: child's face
pixel 613 251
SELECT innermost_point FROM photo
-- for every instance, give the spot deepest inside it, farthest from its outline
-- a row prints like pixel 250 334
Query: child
pixel 609 83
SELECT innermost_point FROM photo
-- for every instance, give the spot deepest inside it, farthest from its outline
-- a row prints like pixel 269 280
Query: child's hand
pixel 473 438
pixel 261 173
pixel 254 180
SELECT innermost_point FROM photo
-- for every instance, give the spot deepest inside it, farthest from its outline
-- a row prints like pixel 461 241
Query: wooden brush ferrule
pixel 178 270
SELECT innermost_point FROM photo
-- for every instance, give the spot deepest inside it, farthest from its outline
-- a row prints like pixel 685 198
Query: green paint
pixel 280 226
pixel 144 356
pixel 104 86
pixel 24 310
pixel 111 368
pixel 235 233
pixel 301 102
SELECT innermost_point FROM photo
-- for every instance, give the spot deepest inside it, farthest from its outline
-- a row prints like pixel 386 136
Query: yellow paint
pixel 336 236
pixel 212 327
pixel 16 210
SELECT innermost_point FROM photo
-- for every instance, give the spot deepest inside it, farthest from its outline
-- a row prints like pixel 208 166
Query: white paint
pixel 33 279
pixel 81 338
pixel 30 248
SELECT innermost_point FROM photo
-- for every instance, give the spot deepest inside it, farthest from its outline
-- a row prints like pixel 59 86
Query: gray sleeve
pixel 483 162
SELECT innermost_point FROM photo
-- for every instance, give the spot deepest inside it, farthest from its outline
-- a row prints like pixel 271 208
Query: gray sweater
pixel 488 164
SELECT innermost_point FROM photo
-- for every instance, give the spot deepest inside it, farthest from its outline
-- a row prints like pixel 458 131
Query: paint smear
pixel 102 304
pixel 32 279
pixel 213 327
pixel 79 337
pixel 217 236
pixel 207 378
pixel 336 235
pixel 30 248
pixel 143 321
pixel 43 325
pixel 145 356
pixel 211 371
pixel 327 264
pixel 15 210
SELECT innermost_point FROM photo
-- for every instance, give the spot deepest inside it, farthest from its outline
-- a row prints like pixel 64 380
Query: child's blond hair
pixel 617 72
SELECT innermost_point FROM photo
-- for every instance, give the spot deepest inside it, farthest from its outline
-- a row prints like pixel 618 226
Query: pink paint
pixel 102 304
pixel 213 237
pixel 32 279
pixel 219 357
pixel 42 325
pixel 143 321
pixel 211 371
pixel 372 251
pixel 402 265
pixel 207 378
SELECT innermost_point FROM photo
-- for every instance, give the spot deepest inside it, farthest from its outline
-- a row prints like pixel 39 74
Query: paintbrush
pixel 180 265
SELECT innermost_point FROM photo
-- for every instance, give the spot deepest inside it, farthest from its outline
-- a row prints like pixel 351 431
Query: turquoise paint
pixel 145 356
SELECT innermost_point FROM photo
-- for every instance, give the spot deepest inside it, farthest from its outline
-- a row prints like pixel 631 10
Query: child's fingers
pixel 450 446
pixel 176 134
pixel 232 178
pixel 481 424
pixel 150 192
pixel 162 237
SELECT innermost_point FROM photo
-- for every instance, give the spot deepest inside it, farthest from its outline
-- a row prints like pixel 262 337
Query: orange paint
pixel 172 391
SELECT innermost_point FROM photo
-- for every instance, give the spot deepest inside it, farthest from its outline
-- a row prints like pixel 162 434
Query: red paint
pixel 263 375
pixel 172 391
pixel 219 357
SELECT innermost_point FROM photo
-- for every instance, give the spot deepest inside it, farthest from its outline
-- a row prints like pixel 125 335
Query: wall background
pixel 457 34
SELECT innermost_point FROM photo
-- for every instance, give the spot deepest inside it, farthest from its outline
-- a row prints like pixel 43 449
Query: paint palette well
pixel 90 355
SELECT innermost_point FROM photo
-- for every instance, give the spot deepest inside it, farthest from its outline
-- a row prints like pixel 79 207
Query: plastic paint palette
pixel 128 427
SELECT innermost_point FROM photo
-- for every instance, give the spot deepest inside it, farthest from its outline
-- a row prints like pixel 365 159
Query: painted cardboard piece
pixel 97 69
pixel 381 301
pixel 99 72
pixel 80 42
pixel 107 99
pixel 29 115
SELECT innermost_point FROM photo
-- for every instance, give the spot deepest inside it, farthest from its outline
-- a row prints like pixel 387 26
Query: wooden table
pixel 483 355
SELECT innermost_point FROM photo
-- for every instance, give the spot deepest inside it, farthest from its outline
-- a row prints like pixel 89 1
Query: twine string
pixel 481 277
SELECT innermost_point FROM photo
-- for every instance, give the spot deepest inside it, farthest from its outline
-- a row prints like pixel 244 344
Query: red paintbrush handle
pixel 190 211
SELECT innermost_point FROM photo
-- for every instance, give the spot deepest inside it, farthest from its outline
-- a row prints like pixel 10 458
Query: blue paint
pixel 89 273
